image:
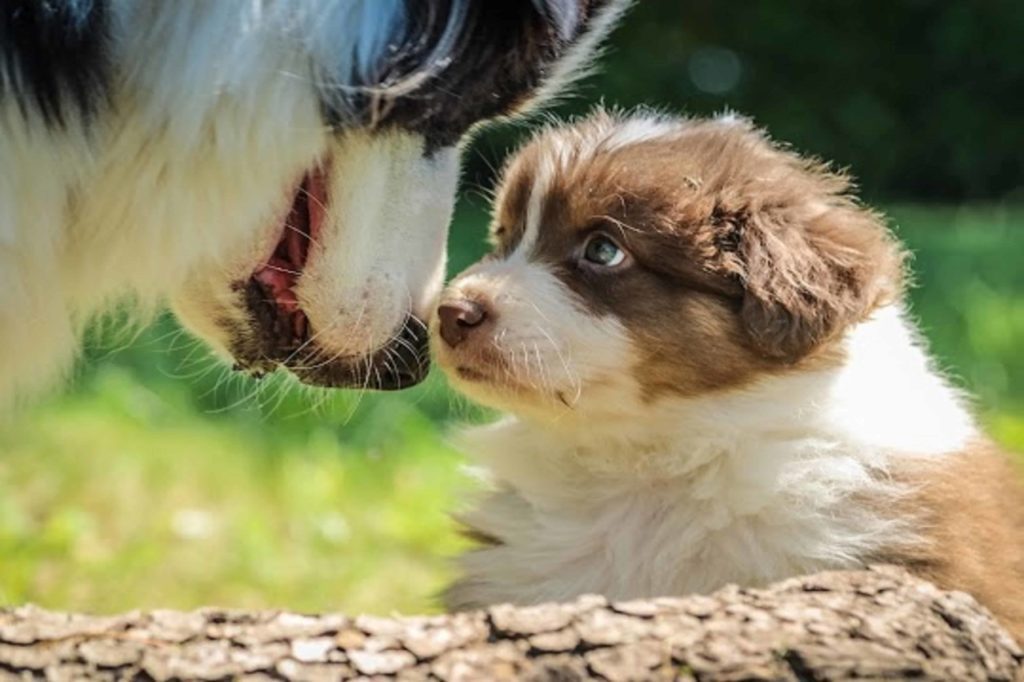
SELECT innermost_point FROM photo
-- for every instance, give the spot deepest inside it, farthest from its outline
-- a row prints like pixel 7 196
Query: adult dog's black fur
pixel 284 172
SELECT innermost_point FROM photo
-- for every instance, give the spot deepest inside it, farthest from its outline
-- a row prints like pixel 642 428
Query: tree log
pixel 879 623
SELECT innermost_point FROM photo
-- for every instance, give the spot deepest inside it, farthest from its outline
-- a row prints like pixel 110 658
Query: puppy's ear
pixel 809 273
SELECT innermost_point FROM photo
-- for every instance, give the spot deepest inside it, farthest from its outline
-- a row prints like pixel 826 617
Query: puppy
pixel 284 172
pixel 702 343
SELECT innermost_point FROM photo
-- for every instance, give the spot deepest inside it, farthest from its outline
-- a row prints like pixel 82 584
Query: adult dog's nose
pixel 459 318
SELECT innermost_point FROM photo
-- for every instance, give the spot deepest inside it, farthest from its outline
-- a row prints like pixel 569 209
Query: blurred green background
pixel 160 479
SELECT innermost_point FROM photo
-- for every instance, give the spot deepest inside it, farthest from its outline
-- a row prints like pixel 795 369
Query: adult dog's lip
pixel 401 363
pixel 280 335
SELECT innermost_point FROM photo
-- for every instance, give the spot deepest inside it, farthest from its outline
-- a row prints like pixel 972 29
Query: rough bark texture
pixel 874 624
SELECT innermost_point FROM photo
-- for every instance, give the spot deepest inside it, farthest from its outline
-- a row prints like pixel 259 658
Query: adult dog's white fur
pixel 197 160
pixel 178 184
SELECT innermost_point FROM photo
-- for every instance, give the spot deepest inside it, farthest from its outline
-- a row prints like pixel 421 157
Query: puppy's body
pixel 284 171
pixel 739 399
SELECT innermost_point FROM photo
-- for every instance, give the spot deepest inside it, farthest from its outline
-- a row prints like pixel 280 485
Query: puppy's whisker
pixel 545 380
pixel 532 378
pixel 574 379
pixel 540 313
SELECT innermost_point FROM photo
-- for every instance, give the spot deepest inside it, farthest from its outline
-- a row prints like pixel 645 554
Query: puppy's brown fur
pixel 766 256
pixel 971 510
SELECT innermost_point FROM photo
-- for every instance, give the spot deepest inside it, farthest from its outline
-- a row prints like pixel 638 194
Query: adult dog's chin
pixel 277 333
pixel 401 363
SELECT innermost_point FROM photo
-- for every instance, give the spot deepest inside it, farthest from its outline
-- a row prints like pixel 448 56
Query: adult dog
pixel 283 171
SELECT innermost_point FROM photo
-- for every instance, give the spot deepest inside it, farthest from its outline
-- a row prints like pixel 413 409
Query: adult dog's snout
pixel 460 318
pixel 402 363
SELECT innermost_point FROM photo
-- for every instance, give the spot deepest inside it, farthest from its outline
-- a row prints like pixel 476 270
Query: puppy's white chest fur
pixel 792 475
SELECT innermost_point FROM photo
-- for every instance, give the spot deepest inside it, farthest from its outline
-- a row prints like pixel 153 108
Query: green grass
pixel 115 499
pixel 969 299
pixel 159 480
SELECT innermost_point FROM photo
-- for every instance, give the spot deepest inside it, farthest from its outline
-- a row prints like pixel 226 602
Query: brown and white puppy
pixel 702 342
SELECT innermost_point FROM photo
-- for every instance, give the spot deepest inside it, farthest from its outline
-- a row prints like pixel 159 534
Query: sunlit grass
pixel 969 295
pixel 114 499
pixel 160 480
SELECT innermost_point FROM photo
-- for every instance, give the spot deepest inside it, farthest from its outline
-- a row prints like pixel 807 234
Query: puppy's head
pixel 645 257
pixel 353 252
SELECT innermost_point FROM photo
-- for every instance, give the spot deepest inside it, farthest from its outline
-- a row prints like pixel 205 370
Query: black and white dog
pixel 282 170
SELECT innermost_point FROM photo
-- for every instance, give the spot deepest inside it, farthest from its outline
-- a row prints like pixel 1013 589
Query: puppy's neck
pixel 883 401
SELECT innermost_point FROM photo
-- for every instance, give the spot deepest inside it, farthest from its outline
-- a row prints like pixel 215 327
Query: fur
pixel 740 398
pixel 153 150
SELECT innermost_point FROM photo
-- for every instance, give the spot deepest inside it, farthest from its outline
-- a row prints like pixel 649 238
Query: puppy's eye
pixel 601 251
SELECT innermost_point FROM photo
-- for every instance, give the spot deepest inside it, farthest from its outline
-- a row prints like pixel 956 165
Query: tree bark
pixel 879 623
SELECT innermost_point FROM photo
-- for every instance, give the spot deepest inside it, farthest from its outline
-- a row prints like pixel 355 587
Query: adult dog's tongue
pixel 279 275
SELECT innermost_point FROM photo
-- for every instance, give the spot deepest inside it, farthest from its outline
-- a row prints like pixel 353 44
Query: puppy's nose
pixel 459 318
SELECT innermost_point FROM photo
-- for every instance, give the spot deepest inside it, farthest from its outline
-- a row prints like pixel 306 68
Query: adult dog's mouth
pixel 277 278
pixel 280 333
